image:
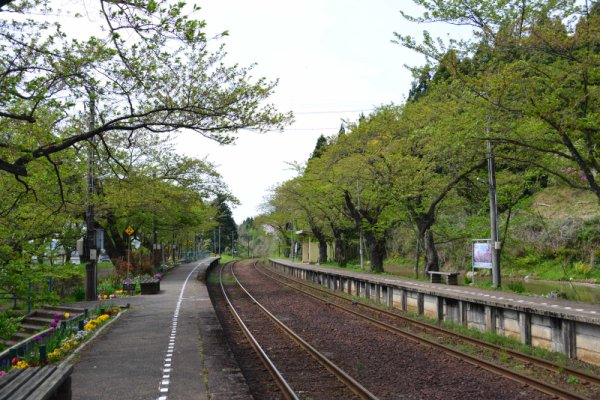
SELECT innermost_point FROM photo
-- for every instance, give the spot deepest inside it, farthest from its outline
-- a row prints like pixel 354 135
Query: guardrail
pixel 27 345
pixel 14 297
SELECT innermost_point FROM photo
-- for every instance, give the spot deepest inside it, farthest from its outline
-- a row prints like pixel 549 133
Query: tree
pixel 227 229
pixel 146 67
pixel 534 65
pixel 361 172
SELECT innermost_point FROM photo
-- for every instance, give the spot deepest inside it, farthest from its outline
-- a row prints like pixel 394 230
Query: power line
pixel 333 112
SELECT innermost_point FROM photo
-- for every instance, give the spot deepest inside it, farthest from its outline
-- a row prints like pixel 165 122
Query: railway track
pixel 549 382
pixel 303 372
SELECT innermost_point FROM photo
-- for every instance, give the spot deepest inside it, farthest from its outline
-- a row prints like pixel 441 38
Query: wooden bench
pixel 51 382
pixel 451 277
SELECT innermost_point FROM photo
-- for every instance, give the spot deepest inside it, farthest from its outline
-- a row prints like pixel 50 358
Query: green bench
pixel 52 382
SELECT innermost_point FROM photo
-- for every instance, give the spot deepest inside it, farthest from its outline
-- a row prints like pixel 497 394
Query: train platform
pixel 166 346
pixel 583 312
pixel 568 327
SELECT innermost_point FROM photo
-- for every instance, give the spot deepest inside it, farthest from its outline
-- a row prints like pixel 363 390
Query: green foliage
pixel 516 286
pixel 78 294
pixel 106 285
pixel 9 324
pixel 582 268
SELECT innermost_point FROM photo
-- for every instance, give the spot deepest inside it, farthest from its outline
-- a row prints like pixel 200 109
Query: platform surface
pixel 128 360
pixel 582 312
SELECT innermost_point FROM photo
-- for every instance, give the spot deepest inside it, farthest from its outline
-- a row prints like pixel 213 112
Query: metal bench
pixel 51 382
pixel 451 277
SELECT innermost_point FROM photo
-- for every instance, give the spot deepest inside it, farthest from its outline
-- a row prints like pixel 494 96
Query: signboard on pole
pixel 482 253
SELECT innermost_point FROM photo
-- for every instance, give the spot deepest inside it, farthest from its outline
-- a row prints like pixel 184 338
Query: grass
pixel 227 258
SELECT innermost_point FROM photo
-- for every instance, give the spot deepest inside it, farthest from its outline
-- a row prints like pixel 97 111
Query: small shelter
pixel 310 247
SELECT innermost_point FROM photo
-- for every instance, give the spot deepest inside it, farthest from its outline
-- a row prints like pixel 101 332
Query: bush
pixel 9 324
pixel 582 268
pixel 123 267
pixel 106 286
pixel 79 294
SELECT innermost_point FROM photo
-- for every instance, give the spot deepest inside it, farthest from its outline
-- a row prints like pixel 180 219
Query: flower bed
pixel 63 337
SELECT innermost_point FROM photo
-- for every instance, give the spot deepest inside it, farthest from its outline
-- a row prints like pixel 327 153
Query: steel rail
pixel 344 377
pixel 539 385
pixel 286 389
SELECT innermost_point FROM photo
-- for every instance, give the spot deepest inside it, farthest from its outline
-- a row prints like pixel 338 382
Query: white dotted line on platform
pixel 163 387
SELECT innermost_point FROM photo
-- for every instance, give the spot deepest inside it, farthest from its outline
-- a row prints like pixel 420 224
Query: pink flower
pixel 2 373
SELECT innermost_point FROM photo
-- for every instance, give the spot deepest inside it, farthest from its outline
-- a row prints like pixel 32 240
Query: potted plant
pixel 129 286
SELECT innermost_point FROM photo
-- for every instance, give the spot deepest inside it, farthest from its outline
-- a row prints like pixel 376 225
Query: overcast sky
pixel 334 59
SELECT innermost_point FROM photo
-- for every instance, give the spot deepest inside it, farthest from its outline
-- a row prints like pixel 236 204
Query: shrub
pixel 582 268
pixel 79 294
pixel 123 267
pixel 9 324
pixel 106 286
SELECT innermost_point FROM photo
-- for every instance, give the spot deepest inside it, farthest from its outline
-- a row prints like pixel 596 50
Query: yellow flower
pixel 67 315
pixel 55 355
pixel 21 364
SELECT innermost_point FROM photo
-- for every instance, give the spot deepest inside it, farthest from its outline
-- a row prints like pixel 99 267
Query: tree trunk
pixel 115 245
pixel 377 251
pixel 418 255
pixel 341 246
pixel 322 244
pixel 432 261
pixel 340 252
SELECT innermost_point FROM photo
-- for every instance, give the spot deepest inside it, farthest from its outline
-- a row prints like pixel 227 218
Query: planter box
pixel 152 287
pixel 129 288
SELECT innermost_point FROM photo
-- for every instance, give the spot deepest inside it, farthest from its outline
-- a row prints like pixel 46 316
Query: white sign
pixel 482 254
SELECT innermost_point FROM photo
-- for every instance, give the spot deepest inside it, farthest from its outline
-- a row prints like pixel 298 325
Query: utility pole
pixel 248 243
pixel 155 246
pixel 496 277
pixel 90 239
